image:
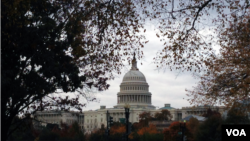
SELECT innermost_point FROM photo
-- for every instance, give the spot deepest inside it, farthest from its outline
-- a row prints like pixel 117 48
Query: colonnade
pixel 134 88
pixel 134 98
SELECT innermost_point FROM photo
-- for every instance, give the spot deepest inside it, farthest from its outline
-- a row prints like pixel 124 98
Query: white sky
pixel 166 87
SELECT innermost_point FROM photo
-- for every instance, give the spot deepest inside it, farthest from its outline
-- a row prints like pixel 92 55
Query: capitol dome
pixel 134 89
pixel 134 75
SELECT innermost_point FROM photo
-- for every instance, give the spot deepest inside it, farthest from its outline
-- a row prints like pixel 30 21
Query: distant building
pixel 42 118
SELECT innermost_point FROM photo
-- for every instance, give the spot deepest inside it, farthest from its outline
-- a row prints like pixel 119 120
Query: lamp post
pixel 127 120
pixel 183 128
pixel 108 126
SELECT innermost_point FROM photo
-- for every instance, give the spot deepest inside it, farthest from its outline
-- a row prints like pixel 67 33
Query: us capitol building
pixel 134 91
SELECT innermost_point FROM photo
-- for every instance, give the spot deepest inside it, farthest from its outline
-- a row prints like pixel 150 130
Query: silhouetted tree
pixel 211 112
pixel 164 115
pixel 209 129
pixel 144 119
pixel 58 46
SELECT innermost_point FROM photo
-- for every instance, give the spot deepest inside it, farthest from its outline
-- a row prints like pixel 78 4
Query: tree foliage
pixel 66 133
pixel 150 137
pixel 171 133
pixel 209 129
pixel 238 114
pixel 62 46
pixel 192 127
pixel 98 135
pixel 228 78
pixel 117 129
pixel 24 129
pixel 144 119
pixel 148 130
pixel 164 115
pixel 146 134
pixel 211 112
pixel 190 28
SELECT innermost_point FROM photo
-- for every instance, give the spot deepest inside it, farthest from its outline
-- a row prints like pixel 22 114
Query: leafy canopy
pixel 62 46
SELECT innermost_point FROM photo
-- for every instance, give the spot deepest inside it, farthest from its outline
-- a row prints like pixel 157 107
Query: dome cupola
pixel 134 90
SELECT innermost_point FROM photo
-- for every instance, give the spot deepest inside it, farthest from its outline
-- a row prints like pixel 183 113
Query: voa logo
pixel 236 132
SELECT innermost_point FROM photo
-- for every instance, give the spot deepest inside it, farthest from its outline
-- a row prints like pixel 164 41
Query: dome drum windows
pixel 134 88
pixel 134 98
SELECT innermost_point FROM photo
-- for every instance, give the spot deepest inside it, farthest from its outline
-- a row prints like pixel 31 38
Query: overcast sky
pixel 165 86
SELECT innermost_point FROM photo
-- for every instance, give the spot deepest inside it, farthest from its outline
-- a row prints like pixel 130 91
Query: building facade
pixel 42 118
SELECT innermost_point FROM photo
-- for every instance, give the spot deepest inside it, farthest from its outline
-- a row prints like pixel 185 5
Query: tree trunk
pixel 6 123
pixel 4 127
